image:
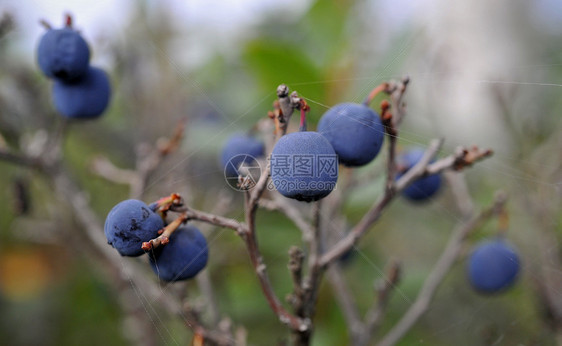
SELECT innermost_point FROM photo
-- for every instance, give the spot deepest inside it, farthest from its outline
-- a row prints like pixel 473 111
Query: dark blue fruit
pixel 63 54
pixel 422 188
pixel 304 166
pixel 493 266
pixel 355 131
pixel 183 257
pixel 129 224
pixel 86 97
pixel 240 149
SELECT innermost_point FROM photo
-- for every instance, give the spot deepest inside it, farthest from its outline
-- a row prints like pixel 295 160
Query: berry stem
pixel 165 233
pixel 68 20
pixel 165 203
pixel 304 108
pixel 302 126
pixel 503 222
pixel 377 90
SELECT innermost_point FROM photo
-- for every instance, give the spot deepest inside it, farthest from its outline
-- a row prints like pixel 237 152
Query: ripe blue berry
pixel 423 188
pixel 493 266
pixel 63 54
pixel 355 131
pixel 304 166
pixel 129 224
pixel 86 97
pixel 183 257
pixel 240 149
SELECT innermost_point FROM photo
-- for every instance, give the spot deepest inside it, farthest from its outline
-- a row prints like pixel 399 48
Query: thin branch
pixel 206 288
pixel 202 335
pixel 441 268
pixel 148 158
pixel 461 159
pixel 296 258
pixel 220 221
pixel 311 283
pixel 384 287
pixel 249 236
pixel 282 205
pixel 346 243
pixel 103 167
pixel 19 159
pixel 459 190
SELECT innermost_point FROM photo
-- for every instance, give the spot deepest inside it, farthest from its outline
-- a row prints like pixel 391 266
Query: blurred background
pixel 482 73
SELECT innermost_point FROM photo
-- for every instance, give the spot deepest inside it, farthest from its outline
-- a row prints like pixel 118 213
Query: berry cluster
pixel 176 251
pixel 80 91
pixel 353 134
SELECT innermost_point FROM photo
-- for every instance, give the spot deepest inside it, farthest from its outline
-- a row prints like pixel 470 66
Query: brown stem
pixel 296 258
pixel 377 90
pixel 220 221
pixel 249 237
pixel 19 159
pixel 311 284
pixel 165 234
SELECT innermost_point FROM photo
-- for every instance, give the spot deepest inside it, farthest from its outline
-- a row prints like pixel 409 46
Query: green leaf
pixel 273 63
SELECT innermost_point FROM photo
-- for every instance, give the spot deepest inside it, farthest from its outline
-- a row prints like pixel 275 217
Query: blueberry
pixel 493 266
pixel 183 257
pixel 422 188
pixel 240 149
pixel 355 131
pixel 129 224
pixel 63 54
pixel 304 166
pixel 86 97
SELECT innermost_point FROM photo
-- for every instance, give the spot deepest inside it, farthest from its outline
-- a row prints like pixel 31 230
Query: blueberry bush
pixel 246 203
